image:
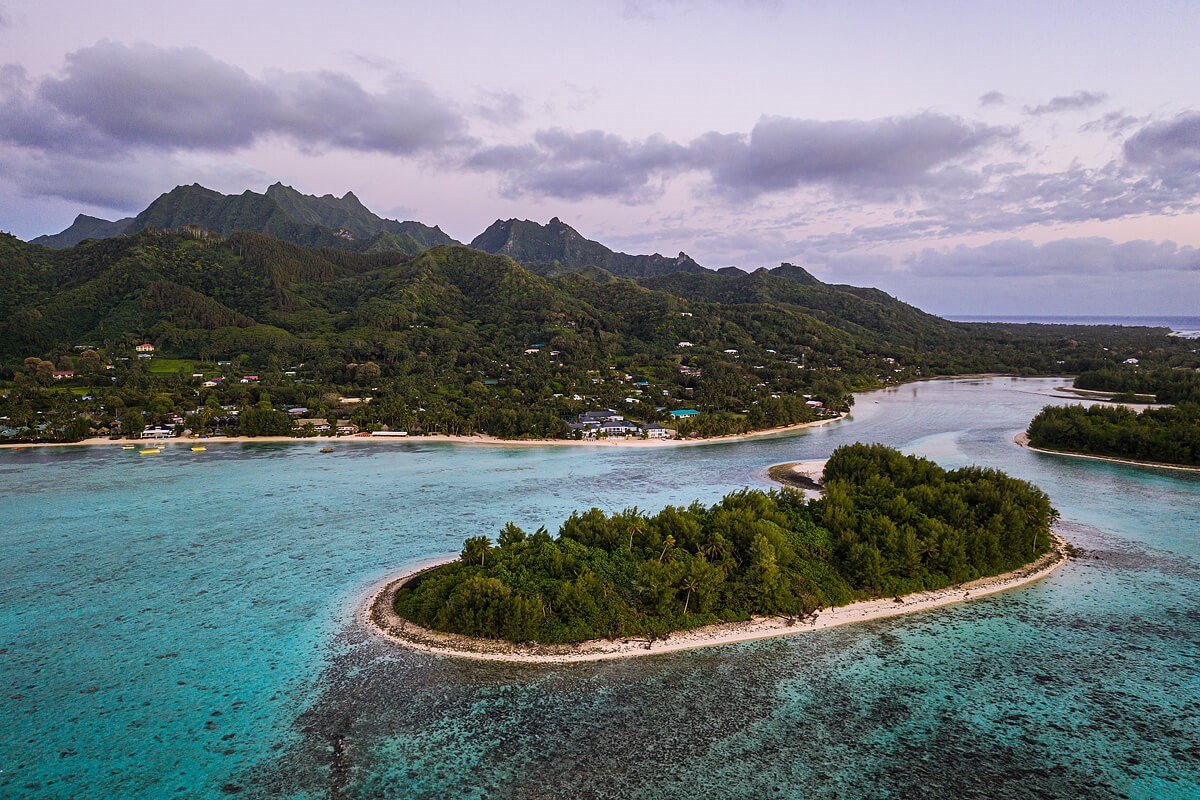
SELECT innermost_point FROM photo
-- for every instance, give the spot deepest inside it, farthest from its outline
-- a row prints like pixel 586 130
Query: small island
pixel 892 533
pixel 1162 437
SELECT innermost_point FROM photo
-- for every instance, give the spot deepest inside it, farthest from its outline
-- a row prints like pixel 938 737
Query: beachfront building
pixel 619 428
pixel 596 418
pixel 318 425
pixel 656 431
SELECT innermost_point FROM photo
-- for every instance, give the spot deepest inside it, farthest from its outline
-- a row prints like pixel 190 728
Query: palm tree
pixel 475 549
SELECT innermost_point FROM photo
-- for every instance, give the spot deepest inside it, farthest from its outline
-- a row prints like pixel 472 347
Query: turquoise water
pixel 181 626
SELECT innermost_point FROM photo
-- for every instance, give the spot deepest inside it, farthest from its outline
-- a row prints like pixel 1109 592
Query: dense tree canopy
pixel 888 524
pixel 1165 435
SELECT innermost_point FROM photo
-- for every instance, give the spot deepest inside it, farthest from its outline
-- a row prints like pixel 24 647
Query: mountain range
pixel 345 223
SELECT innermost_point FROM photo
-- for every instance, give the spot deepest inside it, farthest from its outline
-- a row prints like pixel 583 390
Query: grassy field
pixel 169 365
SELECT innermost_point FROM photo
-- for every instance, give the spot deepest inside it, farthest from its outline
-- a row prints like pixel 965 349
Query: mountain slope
pixel 282 213
pixel 556 248
pixel 84 227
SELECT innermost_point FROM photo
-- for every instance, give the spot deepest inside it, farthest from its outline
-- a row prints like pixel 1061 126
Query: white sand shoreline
pixel 378 614
pixel 1022 439
pixel 478 439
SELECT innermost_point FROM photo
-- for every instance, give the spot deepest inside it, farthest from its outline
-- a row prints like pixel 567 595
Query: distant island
pixel 1155 436
pixel 888 526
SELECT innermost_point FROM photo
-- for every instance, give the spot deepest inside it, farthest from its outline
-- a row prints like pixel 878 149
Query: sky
pixel 968 158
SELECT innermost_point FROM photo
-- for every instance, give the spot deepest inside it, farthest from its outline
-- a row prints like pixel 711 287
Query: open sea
pixel 182 626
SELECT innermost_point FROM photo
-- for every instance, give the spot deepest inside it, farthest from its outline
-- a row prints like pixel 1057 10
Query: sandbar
pixel 380 616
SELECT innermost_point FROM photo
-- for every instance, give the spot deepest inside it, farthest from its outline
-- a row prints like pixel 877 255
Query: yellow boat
pixel 199 449
pixel 145 451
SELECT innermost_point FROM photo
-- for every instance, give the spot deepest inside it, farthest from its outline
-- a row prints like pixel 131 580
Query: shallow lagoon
pixel 181 625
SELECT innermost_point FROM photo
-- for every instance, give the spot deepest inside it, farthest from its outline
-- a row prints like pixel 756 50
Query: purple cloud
pixel 113 98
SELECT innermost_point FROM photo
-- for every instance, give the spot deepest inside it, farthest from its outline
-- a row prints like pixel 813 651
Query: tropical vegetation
pixel 888 524
pixel 1164 435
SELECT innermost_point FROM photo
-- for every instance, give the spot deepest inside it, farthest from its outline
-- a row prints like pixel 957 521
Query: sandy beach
pixel 478 439
pixel 378 614
pixel 1022 439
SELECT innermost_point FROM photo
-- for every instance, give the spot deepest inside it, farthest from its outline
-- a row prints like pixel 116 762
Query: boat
pixel 326 449
pixel 145 451
pixel 199 448
pixel 129 447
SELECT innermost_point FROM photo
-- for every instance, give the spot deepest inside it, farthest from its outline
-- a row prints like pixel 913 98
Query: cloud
pixel 1171 142
pixel 124 184
pixel 114 98
pixel 1071 102
pixel 574 166
pixel 1079 257
pixel 876 158
pixel 501 108
pixel 992 98
pixel 867 157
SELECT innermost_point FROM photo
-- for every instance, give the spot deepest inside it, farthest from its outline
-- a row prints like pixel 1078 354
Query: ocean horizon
pixel 1188 326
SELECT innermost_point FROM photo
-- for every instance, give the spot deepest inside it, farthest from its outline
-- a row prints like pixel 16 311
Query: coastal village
pixel 232 397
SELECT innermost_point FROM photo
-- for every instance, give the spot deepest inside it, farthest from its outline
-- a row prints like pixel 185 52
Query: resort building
pixel 685 413
pixel 656 431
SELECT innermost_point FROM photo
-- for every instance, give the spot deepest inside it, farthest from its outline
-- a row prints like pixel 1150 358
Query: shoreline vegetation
pixel 478 439
pixel 379 615
pixel 1022 439
pixel 890 534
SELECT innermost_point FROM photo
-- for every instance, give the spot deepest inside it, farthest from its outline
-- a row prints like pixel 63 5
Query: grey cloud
pixel 570 165
pixel 1078 257
pixel 992 98
pixel 888 154
pixel 502 108
pixel 1071 102
pixel 1114 122
pixel 124 184
pixel 114 98
pixel 875 158
pixel 1172 142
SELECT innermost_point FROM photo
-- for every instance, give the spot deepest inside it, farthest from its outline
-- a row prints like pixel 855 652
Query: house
pixel 298 410
pixel 249 378
pixel 144 347
pixel 730 352
pixel 684 344
pixel 593 419
pixel 619 427
pixel 58 375
pixel 814 404
pixel 685 413
pixel 345 427
pixel 656 431
pixel 318 425
pixel 1132 361
pixel 585 431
